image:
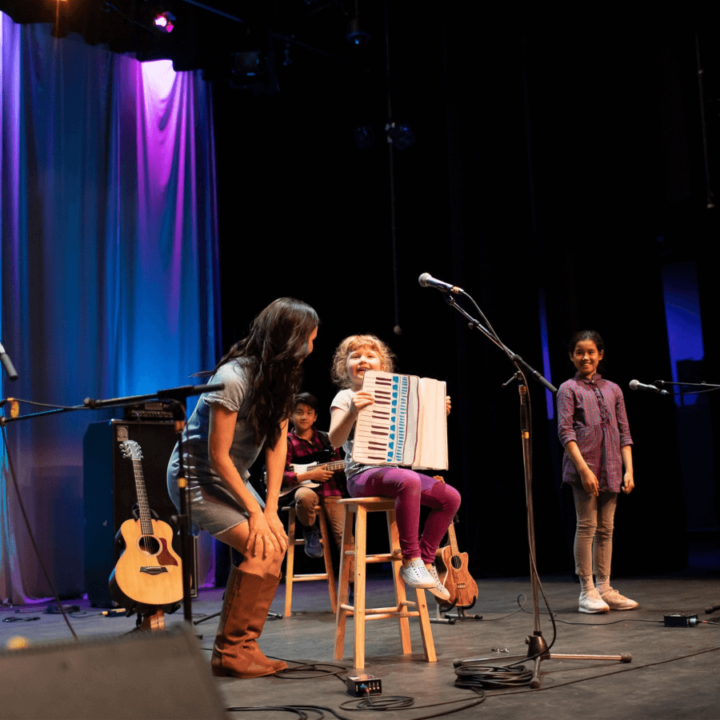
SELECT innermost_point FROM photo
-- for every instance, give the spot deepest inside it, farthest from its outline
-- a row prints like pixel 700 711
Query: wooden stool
pixel 360 507
pixel 290 577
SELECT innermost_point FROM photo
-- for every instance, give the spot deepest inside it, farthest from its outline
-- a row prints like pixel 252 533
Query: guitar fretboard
pixel 146 527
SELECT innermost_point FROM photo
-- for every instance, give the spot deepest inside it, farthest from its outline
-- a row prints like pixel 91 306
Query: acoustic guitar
pixel 452 568
pixel 149 572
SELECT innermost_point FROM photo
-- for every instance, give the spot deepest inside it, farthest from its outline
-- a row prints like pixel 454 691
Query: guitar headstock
pixel 130 449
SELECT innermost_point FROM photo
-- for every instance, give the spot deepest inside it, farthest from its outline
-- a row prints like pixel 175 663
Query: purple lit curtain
pixel 109 279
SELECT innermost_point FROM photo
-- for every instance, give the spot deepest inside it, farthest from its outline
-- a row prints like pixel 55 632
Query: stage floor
pixel 674 673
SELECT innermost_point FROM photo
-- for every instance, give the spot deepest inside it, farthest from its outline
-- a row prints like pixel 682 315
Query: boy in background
pixel 308 445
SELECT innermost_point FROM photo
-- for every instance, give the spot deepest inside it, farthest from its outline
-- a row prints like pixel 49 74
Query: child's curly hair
pixel 355 342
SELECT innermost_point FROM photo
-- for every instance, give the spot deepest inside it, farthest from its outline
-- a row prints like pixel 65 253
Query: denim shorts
pixel 213 508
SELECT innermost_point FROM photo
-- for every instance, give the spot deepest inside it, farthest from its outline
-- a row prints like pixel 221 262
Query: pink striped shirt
pixel 592 412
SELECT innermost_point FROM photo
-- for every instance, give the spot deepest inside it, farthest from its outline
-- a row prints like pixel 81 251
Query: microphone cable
pixel 30 533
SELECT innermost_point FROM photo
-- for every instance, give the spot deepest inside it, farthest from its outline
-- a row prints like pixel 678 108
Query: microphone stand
pixel 704 387
pixel 538 649
pixel 177 398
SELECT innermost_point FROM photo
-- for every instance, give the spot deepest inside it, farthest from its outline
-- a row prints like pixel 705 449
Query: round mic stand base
pixel 538 650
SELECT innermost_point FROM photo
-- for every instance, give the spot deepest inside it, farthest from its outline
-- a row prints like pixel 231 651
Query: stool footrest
pixel 308 576
pixel 395 610
pixel 380 558
pixel 393 615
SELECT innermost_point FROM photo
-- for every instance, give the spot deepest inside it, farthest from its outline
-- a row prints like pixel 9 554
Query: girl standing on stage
pixel 354 356
pixel 223 438
pixel 593 428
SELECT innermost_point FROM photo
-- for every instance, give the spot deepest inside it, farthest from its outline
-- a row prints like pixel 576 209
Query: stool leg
pixel 360 552
pixel 290 563
pixel 328 559
pixel 425 630
pixel 343 583
pixel 400 592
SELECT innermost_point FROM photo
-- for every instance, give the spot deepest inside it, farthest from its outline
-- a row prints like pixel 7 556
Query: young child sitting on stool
pixel 308 445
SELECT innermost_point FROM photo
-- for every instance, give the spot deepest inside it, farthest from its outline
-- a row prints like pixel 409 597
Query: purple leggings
pixel 410 490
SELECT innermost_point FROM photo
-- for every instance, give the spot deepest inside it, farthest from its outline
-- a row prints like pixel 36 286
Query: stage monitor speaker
pixel 137 675
pixel 109 494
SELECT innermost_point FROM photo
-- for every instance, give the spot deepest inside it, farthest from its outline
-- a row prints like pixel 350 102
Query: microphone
pixel 427 280
pixel 635 385
pixel 7 364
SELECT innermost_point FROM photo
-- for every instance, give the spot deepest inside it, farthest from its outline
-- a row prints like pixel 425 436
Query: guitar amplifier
pixel 109 494
pixel 134 675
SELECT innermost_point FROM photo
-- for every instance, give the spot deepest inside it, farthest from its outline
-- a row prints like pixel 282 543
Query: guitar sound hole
pixel 456 562
pixel 149 545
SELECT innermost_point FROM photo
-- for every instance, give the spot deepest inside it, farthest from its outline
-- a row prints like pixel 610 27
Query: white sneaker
pixel 415 575
pixel 591 602
pixel 439 591
pixel 616 601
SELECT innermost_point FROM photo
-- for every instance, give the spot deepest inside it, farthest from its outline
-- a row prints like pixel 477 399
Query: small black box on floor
pixel 153 676
pixel 681 620
pixel 361 685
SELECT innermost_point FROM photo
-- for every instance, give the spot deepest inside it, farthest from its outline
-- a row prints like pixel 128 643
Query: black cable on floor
pixel 318 668
pixel 367 703
pixel 613 672
pixel 302 710
pixel 476 675
pixel 402 702
pixel 521 608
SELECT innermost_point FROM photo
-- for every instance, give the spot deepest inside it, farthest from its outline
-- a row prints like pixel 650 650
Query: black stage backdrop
pixel 565 163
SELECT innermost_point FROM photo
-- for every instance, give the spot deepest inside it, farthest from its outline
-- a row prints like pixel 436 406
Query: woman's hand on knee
pixel 261 538
pixel 278 531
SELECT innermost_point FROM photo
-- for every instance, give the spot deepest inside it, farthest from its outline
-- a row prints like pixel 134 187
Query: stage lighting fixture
pixel 247 64
pixel 355 36
pixel 164 22
pixel 400 135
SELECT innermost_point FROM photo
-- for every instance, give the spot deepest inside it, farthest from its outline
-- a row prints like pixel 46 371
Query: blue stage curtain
pixel 109 282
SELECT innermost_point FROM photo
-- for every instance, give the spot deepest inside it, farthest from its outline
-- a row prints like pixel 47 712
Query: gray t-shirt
pixel 243 451
pixel 343 401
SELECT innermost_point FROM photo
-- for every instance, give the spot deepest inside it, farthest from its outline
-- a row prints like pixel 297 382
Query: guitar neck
pixel 453 539
pixel 334 465
pixel 451 530
pixel 146 527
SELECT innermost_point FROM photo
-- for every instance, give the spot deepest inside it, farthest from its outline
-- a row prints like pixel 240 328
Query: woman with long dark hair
pixel 223 438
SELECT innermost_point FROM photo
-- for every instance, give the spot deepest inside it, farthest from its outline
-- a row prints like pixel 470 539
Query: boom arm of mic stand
pixel 180 394
pixel 535 374
pixel 491 336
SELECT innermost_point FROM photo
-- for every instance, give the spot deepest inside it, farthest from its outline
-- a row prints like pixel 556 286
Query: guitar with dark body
pixel 149 572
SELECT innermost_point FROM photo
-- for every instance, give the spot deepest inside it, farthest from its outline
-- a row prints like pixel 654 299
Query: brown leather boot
pixel 257 622
pixel 233 652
